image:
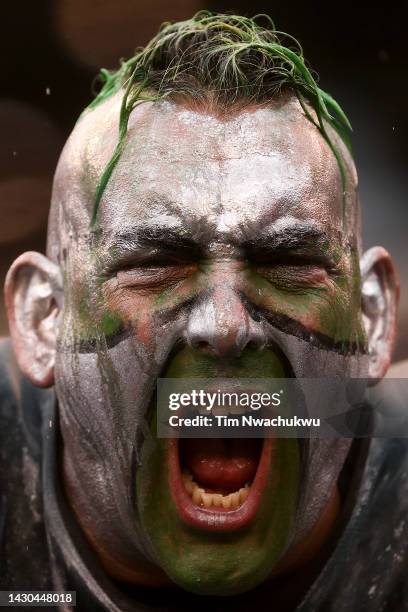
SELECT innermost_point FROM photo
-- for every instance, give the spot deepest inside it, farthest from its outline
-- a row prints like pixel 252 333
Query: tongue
pixel 221 464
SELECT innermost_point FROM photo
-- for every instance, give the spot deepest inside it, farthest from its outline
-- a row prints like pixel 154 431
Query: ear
pixel 380 294
pixel 33 295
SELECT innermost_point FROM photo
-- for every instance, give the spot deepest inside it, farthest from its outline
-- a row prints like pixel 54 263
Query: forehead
pixel 225 176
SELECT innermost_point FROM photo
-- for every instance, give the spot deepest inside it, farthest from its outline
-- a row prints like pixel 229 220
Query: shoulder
pixel 21 514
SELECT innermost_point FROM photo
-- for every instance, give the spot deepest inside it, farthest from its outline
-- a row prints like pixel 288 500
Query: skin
pixel 220 251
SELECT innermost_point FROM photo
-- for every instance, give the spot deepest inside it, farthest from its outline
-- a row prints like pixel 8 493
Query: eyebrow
pixel 144 240
pixel 294 238
pixel 151 236
pixel 297 239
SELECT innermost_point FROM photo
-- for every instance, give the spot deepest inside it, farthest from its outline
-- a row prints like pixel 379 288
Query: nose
pixel 221 324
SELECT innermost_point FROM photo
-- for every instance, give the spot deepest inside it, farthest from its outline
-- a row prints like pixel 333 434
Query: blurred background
pixel 52 49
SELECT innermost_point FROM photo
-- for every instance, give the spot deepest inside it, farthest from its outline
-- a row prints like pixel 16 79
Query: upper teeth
pixel 201 498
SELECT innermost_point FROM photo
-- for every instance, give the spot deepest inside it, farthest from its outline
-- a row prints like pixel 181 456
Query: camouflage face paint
pixel 221 237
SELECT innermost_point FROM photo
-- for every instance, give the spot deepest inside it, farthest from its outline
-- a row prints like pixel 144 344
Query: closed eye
pixel 297 274
pixel 154 275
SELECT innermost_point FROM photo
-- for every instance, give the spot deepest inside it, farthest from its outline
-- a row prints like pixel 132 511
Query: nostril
pixel 254 345
pixel 255 316
pixel 202 345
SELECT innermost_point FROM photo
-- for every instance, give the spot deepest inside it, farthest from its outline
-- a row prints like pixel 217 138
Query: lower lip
pixel 214 519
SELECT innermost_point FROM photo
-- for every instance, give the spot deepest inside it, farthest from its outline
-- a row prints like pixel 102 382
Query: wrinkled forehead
pixel 223 177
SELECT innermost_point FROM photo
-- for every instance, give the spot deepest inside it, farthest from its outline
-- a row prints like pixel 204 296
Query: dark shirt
pixel 42 547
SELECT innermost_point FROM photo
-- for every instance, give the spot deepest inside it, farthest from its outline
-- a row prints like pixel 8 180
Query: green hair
pixel 223 60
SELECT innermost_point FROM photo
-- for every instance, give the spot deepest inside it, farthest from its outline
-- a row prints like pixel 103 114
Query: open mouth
pixel 217 484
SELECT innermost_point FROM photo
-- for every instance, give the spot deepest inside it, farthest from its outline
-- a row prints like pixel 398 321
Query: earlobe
pixel 33 295
pixel 380 293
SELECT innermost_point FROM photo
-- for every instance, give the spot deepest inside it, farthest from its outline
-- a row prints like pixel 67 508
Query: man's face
pixel 221 252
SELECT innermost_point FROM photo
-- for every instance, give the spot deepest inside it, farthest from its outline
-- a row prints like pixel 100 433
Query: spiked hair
pixel 224 61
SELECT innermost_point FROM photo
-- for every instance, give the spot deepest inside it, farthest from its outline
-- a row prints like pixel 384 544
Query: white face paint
pixel 196 225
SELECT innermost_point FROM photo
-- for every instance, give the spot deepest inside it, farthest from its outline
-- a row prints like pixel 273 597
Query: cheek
pixel 136 312
pixel 322 305
pixel 103 396
pixel 141 310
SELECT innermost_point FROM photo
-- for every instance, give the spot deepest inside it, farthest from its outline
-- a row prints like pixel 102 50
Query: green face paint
pixel 213 563
pixel 192 274
pixel 207 563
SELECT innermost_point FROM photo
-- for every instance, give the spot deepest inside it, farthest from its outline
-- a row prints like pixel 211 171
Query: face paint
pixel 209 562
pixel 221 253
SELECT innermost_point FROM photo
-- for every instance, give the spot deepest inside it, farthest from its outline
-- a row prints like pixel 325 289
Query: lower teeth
pixel 216 500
